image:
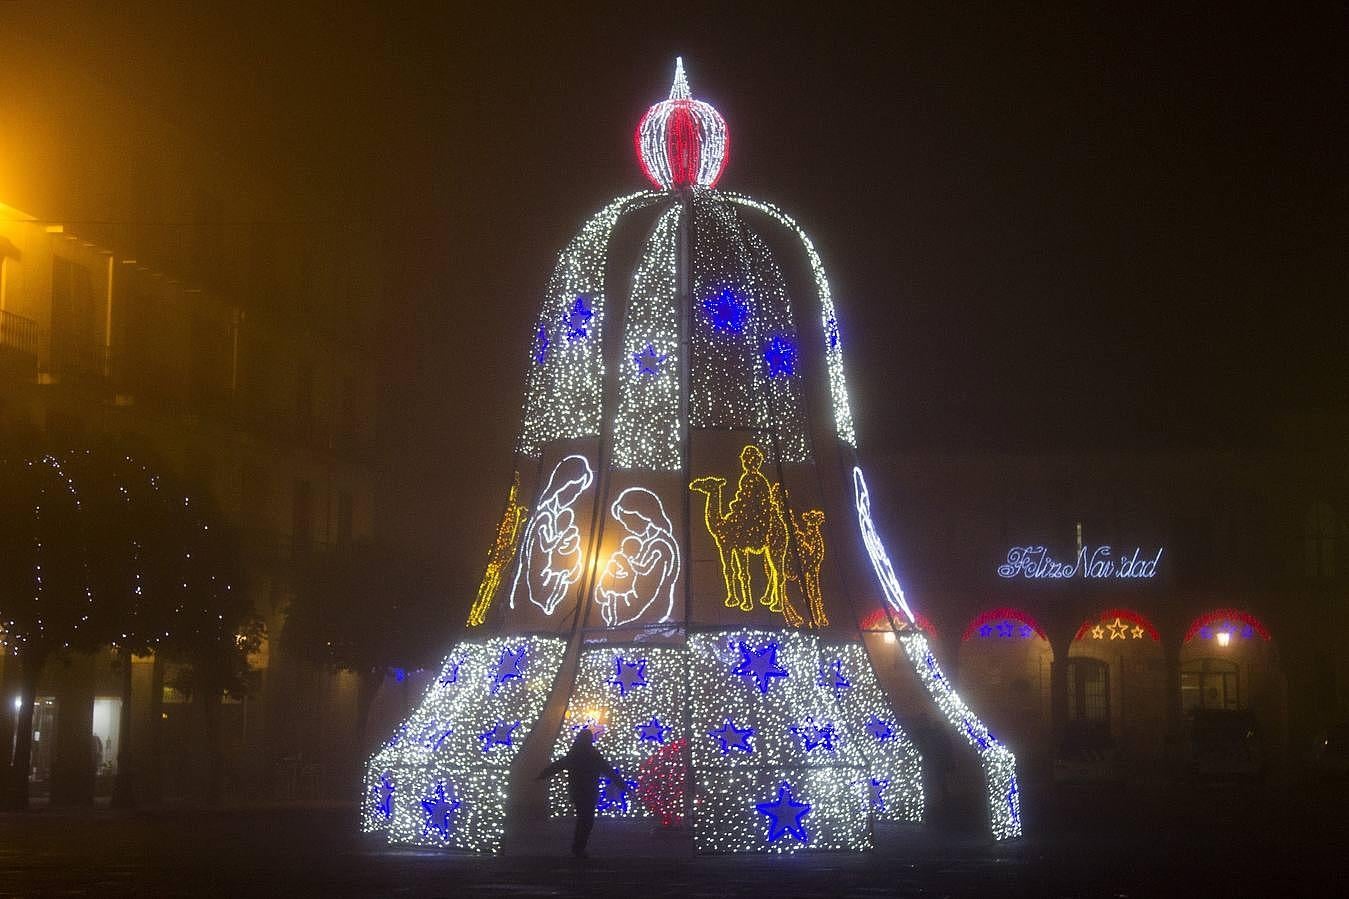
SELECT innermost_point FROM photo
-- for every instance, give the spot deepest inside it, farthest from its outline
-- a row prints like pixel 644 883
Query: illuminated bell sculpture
pixel 685 553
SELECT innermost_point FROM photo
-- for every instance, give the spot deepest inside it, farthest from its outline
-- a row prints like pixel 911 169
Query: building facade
pixel 1123 614
pixel 249 380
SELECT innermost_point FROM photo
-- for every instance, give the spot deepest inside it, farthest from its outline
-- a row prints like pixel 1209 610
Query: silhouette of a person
pixel 584 766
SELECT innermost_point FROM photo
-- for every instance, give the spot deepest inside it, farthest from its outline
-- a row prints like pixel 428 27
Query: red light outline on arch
pixel 879 620
pixel 1234 615
pixel 1128 615
pixel 1003 613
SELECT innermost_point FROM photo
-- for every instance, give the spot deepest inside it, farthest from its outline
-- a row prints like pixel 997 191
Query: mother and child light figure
pixel 640 574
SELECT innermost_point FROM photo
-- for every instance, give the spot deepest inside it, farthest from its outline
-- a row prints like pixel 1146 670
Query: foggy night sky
pixel 1043 229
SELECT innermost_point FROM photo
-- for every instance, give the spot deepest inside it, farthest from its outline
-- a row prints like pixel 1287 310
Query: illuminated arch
pixel 1110 622
pixel 879 620
pixel 994 617
pixel 1243 625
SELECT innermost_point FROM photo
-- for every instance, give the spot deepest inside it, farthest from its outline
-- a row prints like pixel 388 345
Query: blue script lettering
pixel 1035 563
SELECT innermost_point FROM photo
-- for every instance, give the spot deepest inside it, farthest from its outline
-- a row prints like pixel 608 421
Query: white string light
pixel 550 551
pixel 999 764
pixel 641 572
pixel 631 699
pixel 646 424
pixel 766 683
pixel 743 341
pixel 833 343
pixel 441 779
pixel 564 388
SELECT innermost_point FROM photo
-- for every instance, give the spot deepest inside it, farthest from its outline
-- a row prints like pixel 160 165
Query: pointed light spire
pixel 679 90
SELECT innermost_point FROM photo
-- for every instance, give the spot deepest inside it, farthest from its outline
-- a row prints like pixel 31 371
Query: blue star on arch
pixel 1005 629
pixel 779 355
pixel 578 319
pixel 628 675
pixel 831 676
pixel 498 734
pixel 813 735
pixel 614 793
pixel 510 665
pixel 733 737
pixel 648 361
pixel 383 794
pixel 879 729
pixel 653 730
pixel 986 630
pixel 785 815
pixel 760 664
pixel 727 311
pixel 440 809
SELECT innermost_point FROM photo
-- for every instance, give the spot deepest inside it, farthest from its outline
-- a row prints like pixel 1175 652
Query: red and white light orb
pixel 682 142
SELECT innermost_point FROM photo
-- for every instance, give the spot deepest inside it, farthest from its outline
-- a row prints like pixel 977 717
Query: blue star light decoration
pixel 383 793
pixel 614 794
pixel 511 665
pixel 986 630
pixel 648 361
pixel 814 735
pixel 727 312
pixel 499 734
pixel 733 737
pixel 433 736
pixel 1025 632
pixel 760 664
pixel 628 675
pixel 1005 629
pixel 831 676
pixel 878 786
pixel 785 815
pixel 578 320
pixel 653 730
pixel 439 808
pixel 831 329
pixel 779 355
pixel 879 729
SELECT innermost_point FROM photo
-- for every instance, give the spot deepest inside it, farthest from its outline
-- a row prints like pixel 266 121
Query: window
pixel 1209 684
pixel 302 517
pixel 1088 690
pixel 1319 530
pixel 344 515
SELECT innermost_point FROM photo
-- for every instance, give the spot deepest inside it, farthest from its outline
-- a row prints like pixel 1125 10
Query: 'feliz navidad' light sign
pixel 1035 563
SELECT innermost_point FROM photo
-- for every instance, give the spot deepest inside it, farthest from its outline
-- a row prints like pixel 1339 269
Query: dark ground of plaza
pixel 1215 839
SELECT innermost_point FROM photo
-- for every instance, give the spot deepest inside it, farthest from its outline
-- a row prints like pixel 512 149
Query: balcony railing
pixel 18 343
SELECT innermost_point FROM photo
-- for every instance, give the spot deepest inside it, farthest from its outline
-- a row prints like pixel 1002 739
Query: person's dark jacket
pixel 584 766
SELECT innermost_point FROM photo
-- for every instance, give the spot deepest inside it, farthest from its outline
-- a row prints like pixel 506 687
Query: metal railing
pixel 19 341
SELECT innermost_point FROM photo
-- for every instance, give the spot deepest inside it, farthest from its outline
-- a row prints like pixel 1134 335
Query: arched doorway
pixel 1118 655
pixel 1004 672
pixel 1231 693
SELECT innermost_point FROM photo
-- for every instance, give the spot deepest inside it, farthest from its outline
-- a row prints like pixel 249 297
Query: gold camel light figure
pixel 752 524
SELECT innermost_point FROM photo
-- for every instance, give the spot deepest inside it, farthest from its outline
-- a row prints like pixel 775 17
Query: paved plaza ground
pixel 1221 840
